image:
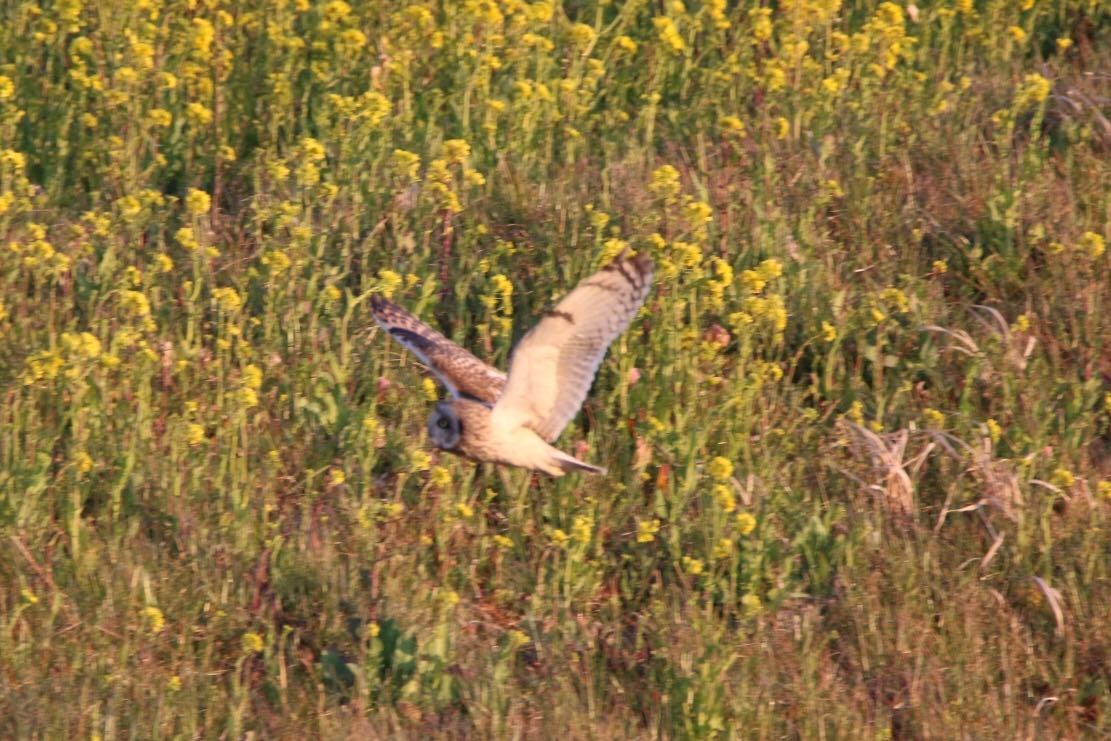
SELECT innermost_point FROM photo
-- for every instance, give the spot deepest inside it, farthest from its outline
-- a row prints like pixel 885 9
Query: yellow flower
pixel 1104 489
pixel 228 299
pixel 1063 478
pixel 760 18
pixel 733 125
pixel 581 35
pixel 406 163
pixel 746 523
pixel 782 128
pixel 389 281
pixel 560 538
pixel 669 34
pixel 159 117
pixel 934 419
pixel 44 365
pixel 129 206
pixel 994 430
pixel 457 151
pixel 430 391
pixel 770 269
pixel 723 548
pixel 252 376
pixel 13 160
pixel 84 345
pixel 665 182
pixel 441 477
pixel 252 642
pixel 582 529
pixel 83 462
pixel 135 303
pixel 351 39
pixel 187 238
pixel 194 434
pixel 647 530
pixel 174 683
pixel 474 177
pixel 1063 43
pixel 197 202
pixel 829 332
pixel 1093 244
pixel 201 35
pixel 626 44
pixel 198 114
pixel 692 566
pixel 154 618
pixel 163 263
pixel 502 541
pixel 751 603
pixel 419 461
pixel 1033 91
pixel 720 468
pixel 248 397
pixel 723 495
pixel 28 596
pixel 1017 33
pixel 7 87
pixel 312 149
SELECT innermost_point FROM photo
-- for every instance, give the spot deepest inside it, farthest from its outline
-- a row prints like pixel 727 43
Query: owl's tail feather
pixel 569 464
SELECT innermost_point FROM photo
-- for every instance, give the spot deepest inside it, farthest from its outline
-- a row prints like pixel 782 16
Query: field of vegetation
pixel 858 440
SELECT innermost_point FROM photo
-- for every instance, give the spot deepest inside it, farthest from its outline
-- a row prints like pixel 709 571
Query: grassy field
pixel 858 441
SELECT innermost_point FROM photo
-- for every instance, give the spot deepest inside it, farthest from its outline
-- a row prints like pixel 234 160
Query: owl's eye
pixel 443 423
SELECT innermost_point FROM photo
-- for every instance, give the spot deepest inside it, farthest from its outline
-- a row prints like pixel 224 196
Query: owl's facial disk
pixel 445 428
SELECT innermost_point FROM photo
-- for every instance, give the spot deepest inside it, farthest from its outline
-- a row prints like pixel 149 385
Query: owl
pixel 513 419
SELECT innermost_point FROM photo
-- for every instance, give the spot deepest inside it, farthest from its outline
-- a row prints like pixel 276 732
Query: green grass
pixel 860 487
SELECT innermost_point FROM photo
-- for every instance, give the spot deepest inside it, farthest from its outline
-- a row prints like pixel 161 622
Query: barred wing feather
pixel 462 373
pixel 554 365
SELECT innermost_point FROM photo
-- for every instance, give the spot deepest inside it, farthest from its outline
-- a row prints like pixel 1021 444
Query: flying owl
pixel 512 419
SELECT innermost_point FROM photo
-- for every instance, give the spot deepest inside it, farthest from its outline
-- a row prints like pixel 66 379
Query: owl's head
pixel 445 427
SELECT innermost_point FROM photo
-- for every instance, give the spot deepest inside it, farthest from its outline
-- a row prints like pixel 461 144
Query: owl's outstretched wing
pixel 554 365
pixel 463 374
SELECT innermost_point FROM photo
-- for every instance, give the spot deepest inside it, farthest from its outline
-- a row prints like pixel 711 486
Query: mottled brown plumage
pixel 459 370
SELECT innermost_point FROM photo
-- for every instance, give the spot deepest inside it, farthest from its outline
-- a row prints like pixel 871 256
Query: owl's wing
pixel 462 373
pixel 553 366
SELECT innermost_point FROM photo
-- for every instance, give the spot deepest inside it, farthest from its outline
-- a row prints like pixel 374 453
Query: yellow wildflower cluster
pixel 669 35
pixel 720 468
pixel 1033 91
pixel 647 530
pixel 665 183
